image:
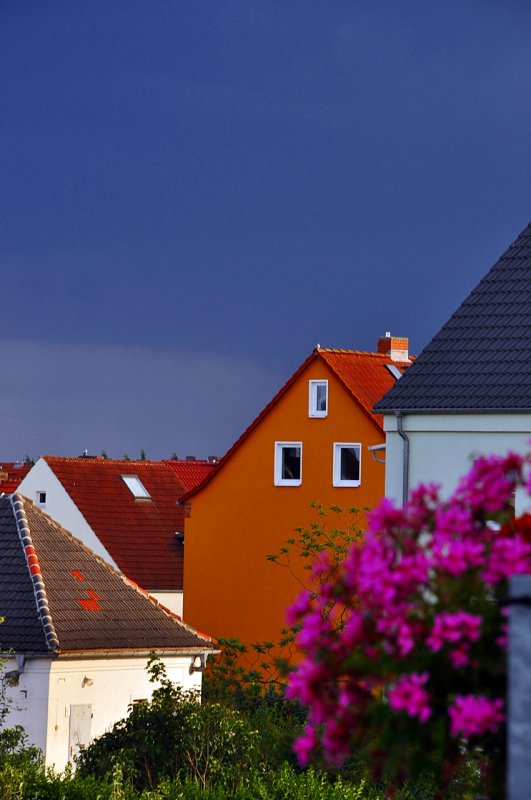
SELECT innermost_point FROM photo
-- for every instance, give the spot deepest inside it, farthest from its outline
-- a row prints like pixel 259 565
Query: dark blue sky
pixel 196 192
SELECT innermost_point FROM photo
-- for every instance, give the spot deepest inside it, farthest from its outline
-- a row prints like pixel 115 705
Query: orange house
pixel 310 444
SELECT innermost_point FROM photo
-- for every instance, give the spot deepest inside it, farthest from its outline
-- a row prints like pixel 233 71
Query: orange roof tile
pixel 11 474
pixel 364 375
pixel 139 534
pixel 191 473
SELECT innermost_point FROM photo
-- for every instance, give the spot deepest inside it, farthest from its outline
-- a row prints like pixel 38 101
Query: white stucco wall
pixel 442 447
pixel 60 507
pixel 47 689
pixel 171 600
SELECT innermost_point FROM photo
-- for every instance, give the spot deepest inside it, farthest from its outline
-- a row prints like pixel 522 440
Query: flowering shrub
pixel 404 641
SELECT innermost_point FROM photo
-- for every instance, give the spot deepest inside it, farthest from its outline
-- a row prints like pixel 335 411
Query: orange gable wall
pixel 230 589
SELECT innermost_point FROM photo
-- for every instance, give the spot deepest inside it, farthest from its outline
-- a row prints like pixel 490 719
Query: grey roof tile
pixel 480 359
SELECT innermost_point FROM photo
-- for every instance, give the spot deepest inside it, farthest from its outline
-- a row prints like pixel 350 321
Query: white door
pixel 80 723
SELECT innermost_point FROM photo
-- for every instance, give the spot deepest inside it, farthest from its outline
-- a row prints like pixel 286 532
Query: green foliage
pixel 334 535
pixel 34 782
pixel 176 737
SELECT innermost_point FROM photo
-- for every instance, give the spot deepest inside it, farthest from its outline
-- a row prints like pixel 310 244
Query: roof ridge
pixel 34 569
pixel 353 352
pixel 100 460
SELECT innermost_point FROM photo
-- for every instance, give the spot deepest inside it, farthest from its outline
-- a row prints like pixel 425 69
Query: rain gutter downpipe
pixel 405 456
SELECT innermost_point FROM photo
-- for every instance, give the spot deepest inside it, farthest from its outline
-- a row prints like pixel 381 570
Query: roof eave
pixel 136 652
pixel 250 428
pixel 483 410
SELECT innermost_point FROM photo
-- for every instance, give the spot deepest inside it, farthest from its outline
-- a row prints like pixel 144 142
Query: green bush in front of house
pixel 175 737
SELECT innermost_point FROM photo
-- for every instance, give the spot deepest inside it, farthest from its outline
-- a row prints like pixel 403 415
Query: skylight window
pixel 393 369
pixel 136 487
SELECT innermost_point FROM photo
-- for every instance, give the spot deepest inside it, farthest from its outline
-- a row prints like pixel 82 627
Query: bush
pixel 175 737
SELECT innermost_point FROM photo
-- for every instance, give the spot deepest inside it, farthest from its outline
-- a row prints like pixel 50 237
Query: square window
pixel 318 402
pixel 347 464
pixel 288 463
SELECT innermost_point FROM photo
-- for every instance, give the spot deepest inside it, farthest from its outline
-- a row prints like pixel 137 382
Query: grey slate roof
pixel 74 601
pixel 481 358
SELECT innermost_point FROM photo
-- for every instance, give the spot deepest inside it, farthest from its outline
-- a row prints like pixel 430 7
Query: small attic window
pixel 318 401
pixel 136 487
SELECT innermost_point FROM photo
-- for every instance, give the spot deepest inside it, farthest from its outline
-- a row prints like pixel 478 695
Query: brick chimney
pixel 396 347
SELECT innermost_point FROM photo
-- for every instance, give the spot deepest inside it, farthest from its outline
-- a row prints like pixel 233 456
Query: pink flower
pixel 454 628
pixel 472 715
pixel 301 606
pixel 305 745
pixel 490 483
pixel 456 556
pixel 409 696
pixel 509 555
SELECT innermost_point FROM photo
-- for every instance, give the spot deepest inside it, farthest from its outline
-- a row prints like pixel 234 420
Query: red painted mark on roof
pixel 91 604
pixel 77 575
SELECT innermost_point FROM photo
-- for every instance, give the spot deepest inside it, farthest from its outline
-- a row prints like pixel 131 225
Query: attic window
pixel 41 498
pixel 136 487
pixel 318 401
pixel 393 369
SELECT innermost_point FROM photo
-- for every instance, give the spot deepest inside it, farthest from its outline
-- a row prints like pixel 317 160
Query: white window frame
pixel 40 502
pixel 336 473
pixel 136 487
pixel 278 479
pixel 313 411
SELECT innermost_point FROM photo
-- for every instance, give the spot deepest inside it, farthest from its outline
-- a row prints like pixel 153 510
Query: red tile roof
pixel 364 375
pixel 58 596
pixel 191 473
pixel 11 474
pixel 139 534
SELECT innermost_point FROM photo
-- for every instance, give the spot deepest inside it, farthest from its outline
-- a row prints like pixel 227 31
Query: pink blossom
pixel 456 556
pixel 453 628
pixel 394 604
pixel 302 605
pixel 408 695
pixel 490 483
pixel 385 516
pixel 509 555
pixel 305 745
pixel 472 715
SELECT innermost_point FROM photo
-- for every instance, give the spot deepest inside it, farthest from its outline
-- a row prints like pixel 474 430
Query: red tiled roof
pixel 11 474
pixel 191 473
pixel 364 375
pixel 139 534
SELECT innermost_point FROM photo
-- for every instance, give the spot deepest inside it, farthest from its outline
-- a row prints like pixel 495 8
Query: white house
pixel 80 634
pixel 128 512
pixel 469 391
